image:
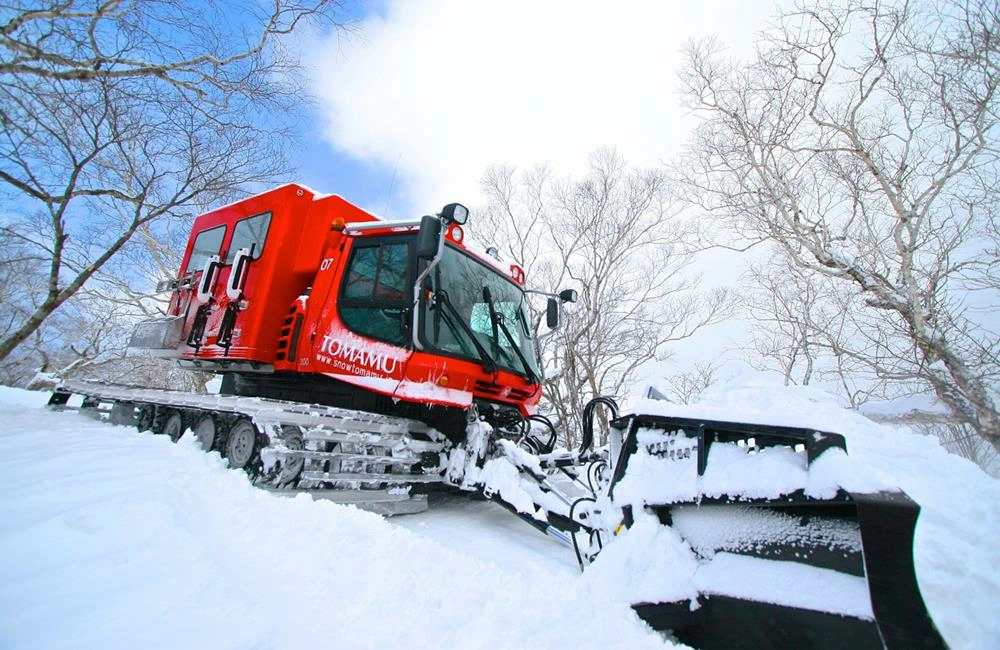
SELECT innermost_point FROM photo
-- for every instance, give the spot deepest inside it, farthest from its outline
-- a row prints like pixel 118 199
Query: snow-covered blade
pixel 788 544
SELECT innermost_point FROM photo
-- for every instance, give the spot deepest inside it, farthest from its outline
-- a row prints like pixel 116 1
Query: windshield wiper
pixel 494 321
pixel 498 323
pixel 441 298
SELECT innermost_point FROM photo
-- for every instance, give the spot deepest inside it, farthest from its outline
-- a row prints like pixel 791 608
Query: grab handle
pixel 209 275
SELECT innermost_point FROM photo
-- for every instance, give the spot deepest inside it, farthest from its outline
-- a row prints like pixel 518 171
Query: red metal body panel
pixel 287 265
pixel 306 250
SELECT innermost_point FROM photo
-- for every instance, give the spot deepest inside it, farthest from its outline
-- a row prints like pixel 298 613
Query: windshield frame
pixel 508 361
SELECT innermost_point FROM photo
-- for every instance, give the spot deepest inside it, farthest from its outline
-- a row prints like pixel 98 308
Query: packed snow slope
pixel 113 539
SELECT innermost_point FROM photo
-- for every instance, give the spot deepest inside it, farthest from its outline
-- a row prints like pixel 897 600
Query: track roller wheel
pixel 206 430
pixel 291 437
pixel 173 425
pixel 144 417
pixel 241 444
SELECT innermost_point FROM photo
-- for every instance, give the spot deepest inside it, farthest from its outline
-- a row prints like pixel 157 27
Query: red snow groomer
pixel 367 362
pixel 301 297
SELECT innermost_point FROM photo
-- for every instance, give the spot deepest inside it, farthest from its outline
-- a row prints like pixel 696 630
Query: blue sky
pixel 325 167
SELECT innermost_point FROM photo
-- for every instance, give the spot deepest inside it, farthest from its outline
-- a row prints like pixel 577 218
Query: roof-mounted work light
pixel 567 295
pixel 455 213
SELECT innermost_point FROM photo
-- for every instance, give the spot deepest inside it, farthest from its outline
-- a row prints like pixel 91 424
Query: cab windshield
pixel 456 308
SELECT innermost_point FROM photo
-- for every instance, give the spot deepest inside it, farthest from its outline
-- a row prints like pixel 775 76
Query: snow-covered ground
pixel 113 539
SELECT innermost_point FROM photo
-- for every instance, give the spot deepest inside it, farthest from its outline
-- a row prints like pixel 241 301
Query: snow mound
pixel 759 398
pixel 15 397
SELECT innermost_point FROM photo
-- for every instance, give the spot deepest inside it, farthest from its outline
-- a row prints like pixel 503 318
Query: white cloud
pixel 450 87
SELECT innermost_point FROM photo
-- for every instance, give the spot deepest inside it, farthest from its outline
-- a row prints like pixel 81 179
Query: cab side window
pixel 206 244
pixel 375 295
pixel 249 233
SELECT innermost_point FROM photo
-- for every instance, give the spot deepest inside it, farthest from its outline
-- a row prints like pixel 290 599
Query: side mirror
pixel 455 213
pixel 568 295
pixel 429 238
pixel 552 314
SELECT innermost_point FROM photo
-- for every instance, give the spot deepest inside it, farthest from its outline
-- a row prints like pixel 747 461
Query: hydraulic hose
pixel 589 412
pixel 541 447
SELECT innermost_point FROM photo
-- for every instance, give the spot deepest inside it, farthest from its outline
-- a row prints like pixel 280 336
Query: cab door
pixel 363 334
pixel 197 284
pixel 238 279
pixel 222 274
pixel 375 298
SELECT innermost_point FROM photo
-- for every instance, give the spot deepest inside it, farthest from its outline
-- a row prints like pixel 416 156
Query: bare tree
pixel 961 439
pixel 782 306
pixel 614 236
pixel 687 386
pixel 861 141
pixel 809 327
pixel 210 53
pixel 119 116
pixel 88 335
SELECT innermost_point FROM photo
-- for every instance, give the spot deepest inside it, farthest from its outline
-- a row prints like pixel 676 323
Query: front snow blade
pixel 785 557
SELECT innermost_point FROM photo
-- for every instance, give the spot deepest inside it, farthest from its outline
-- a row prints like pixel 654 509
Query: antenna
pixel 392 183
